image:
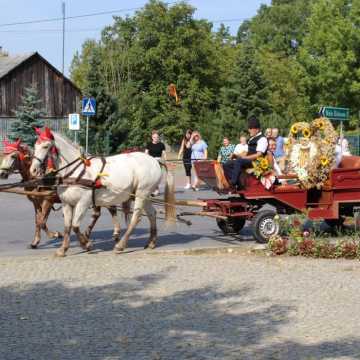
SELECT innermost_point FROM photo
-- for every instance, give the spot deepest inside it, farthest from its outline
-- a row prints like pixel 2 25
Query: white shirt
pixel 262 144
pixel 241 148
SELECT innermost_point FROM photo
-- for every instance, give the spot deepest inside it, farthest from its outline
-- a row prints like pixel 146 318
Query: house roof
pixel 9 63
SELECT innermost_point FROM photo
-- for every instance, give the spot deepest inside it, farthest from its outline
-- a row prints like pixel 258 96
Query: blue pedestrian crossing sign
pixel 88 106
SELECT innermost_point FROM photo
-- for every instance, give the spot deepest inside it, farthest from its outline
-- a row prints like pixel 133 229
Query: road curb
pixel 252 250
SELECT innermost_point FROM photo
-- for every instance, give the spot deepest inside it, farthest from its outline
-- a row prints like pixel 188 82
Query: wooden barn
pixel 58 94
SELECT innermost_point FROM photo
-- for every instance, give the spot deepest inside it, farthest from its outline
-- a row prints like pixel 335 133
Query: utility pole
pixel 63 37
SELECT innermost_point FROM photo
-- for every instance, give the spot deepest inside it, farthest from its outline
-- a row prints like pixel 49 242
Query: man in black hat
pixel 257 146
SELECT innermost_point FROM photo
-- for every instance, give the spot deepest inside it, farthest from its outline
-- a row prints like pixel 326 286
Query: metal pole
pixel 76 137
pixel 341 137
pixel 87 135
pixel 63 37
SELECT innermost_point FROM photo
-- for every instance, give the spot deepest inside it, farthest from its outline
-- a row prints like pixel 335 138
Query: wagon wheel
pixel 264 226
pixel 230 225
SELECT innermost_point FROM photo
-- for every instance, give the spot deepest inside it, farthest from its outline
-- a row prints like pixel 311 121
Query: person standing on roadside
pixel 185 154
pixel 198 152
pixel 156 149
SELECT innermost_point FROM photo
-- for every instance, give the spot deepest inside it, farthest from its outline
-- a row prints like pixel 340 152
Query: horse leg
pixel 68 215
pixel 79 213
pixel 46 207
pixel 151 214
pixel 138 208
pixel 126 208
pixel 37 236
pixel 116 223
pixel 95 216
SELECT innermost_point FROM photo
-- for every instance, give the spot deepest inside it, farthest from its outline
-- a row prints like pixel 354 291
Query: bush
pixel 349 249
pixel 278 245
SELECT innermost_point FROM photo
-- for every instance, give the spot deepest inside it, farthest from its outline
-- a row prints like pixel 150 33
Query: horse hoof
pixel 150 246
pixel 88 246
pixel 118 249
pixel 58 235
pixel 33 246
pixel 60 253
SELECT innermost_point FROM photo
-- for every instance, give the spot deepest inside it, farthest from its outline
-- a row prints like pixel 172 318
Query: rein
pixel 53 180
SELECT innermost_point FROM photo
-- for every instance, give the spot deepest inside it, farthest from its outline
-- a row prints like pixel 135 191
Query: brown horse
pixel 18 158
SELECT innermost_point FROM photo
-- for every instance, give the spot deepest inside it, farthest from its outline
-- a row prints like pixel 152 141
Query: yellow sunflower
pixel 294 129
pixel 306 133
pixel 264 163
pixel 324 161
pixel 321 124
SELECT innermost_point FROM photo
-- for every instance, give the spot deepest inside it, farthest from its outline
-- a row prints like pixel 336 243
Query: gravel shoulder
pixel 140 306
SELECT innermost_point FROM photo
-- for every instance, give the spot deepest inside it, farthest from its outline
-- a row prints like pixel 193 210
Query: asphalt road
pixel 17 228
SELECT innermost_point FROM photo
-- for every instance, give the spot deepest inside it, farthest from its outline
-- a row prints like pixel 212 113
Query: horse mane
pixel 68 149
pixel 66 141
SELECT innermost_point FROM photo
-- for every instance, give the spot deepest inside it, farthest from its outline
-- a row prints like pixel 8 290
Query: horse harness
pixel 51 179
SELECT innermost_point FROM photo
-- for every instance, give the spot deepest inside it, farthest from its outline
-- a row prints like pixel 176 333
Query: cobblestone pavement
pixel 144 306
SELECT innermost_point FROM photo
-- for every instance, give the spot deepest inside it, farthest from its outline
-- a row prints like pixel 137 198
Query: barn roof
pixel 10 62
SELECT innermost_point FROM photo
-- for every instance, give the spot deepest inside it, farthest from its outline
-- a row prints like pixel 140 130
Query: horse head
pixel 45 152
pixel 16 158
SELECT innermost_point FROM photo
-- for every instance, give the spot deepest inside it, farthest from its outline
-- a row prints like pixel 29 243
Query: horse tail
pixel 169 197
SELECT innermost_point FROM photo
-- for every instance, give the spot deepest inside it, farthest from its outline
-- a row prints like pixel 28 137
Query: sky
pixel 46 37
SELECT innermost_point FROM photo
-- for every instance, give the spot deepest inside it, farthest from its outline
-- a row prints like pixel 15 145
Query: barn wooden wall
pixel 59 97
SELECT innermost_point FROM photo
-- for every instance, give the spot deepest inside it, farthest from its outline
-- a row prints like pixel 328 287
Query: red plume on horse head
pixel 45 135
pixel 11 147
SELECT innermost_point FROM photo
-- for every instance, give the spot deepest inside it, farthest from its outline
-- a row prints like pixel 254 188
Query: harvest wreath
pixel 311 151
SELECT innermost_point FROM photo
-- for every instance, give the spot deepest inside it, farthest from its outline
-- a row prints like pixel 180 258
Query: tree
pixel 245 94
pixel 331 54
pixel 276 25
pixel 140 56
pixel 103 141
pixel 287 83
pixel 27 117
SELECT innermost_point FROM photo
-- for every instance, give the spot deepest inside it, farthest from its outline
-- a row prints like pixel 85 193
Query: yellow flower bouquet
pixel 261 166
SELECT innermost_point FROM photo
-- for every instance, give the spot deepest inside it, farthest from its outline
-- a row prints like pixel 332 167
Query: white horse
pixel 124 177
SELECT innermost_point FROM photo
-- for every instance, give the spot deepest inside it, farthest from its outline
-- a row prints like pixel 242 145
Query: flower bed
pixel 295 241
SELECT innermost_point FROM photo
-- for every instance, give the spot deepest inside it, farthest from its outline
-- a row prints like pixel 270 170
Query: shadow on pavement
pixel 123 321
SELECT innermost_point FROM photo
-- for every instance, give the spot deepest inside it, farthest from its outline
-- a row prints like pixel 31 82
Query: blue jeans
pixel 233 168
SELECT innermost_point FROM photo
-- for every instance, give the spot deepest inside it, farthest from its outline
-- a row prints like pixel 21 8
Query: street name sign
pixel 74 121
pixel 88 106
pixel 335 113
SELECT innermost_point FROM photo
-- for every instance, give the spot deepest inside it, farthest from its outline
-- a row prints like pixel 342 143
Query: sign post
pixel 74 124
pixel 88 109
pixel 337 114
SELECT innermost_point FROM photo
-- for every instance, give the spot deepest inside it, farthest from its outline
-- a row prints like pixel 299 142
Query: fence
pixel 56 124
pixel 354 144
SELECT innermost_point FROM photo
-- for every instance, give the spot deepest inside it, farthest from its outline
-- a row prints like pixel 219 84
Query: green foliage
pixel 139 57
pixel 103 137
pixel 331 52
pixel 246 93
pixel 221 80
pixel 27 117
